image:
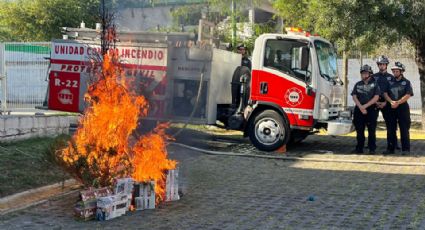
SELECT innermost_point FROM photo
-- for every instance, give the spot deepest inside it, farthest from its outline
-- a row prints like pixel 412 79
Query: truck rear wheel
pixel 268 131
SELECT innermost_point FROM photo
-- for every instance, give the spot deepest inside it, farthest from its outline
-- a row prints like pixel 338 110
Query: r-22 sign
pixel 64 91
pixel 66 83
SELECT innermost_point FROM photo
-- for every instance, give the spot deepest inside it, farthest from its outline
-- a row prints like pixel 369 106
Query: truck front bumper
pixel 339 127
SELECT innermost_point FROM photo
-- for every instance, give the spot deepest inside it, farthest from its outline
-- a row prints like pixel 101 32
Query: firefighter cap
pixel 398 65
pixel 366 68
pixel 382 60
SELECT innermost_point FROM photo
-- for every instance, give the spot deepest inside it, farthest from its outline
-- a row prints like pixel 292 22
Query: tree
pixel 40 20
pixel 216 11
pixel 232 8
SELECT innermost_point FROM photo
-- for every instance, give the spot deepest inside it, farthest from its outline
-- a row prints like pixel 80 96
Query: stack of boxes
pixel 116 205
pixel 103 204
pixel 110 207
pixel 85 209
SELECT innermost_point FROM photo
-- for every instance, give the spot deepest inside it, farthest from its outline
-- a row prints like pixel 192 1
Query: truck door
pixel 283 77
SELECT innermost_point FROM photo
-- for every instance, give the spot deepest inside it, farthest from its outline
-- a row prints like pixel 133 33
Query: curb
pixel 36 196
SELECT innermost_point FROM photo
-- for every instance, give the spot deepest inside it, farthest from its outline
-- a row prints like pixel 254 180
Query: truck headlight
pixel 324 102
pixel 324 114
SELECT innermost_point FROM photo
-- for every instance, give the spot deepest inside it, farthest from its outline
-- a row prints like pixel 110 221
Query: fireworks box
pixel 85 209
pixel 112 206
pixel 124 186
pixel 84 212
pixel 172 185
pixel 144 195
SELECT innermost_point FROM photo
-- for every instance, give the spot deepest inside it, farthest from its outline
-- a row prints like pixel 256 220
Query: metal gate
pixel 23 70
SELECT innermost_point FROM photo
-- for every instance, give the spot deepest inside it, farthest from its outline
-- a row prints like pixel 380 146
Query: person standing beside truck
pixel 383 78
pixel 399 92
pixel 245 60
pixel 365 95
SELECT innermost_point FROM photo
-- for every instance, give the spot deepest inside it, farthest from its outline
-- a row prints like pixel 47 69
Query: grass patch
pixel 29 164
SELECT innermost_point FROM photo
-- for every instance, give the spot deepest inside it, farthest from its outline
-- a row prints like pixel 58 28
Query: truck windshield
pixel 327 59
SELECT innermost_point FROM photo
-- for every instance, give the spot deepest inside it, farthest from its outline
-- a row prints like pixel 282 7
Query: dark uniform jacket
pixel 365 92
pixel 246 62
pixel 383 80
pixel 397 89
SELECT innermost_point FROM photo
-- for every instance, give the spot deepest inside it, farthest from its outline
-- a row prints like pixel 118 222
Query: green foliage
pixel 225 6
pixel 40 20
pixel 406 19
pixel 57 144
pixel 187 15
pixel 355 24
pixel 350 24
pixel 216 11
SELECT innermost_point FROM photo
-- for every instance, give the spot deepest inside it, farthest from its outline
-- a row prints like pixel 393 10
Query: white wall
pixel 24 127
pixel 412 74
pixel 142 19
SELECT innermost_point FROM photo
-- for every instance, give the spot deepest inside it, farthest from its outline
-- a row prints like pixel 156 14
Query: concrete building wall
pixel 23 127
pixel 148 18
pixel 144 19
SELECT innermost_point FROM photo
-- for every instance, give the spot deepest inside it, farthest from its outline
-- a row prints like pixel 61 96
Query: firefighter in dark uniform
pixel 383 78
pixel 365 95
pixel 400 90
pixel 245 60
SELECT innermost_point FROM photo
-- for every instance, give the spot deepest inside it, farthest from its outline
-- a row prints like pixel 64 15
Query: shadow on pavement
pixel 313 144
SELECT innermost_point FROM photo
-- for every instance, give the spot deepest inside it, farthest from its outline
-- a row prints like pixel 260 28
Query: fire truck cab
pixel 292 89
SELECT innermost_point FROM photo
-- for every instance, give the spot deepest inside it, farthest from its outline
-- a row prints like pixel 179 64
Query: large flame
pixel 104 146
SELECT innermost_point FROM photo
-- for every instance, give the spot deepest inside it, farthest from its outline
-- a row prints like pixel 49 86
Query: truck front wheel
pixel 268 131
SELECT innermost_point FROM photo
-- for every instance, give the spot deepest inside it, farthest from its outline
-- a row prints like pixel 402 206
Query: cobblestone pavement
pixel 317 146
pixel 224 192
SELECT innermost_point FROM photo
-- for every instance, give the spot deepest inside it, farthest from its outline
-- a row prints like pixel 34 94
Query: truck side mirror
pixel 304 58
pixel 309 90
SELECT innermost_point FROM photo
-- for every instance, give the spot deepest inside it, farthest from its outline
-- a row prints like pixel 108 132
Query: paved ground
pixel 314 145
pixel 248 193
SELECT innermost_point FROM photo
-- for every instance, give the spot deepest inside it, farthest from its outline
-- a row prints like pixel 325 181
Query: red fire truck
pixel 292 90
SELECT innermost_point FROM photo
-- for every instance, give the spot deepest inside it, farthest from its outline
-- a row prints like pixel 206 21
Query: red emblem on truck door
pixel 293 97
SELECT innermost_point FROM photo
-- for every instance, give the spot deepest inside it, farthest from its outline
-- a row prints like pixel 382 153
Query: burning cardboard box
pixel 85 209
pixel 172 185
pixel 83 212
pixel 124 186
pixel 111 206
pixel 102 205
pixel 144 195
